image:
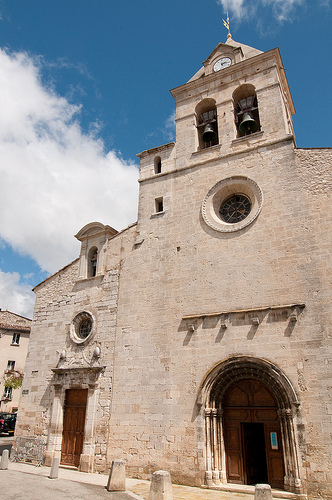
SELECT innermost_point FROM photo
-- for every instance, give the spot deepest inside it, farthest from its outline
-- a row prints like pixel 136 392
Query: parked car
pixel 7 423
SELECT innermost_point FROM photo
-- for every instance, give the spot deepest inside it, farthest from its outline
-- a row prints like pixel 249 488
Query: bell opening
pixel 246 111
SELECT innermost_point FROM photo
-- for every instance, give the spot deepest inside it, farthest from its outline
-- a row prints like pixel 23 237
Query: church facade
pixel 197 340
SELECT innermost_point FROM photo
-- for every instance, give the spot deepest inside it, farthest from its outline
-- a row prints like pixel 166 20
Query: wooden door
pixel 274 454
pixel 252 435
pixel 233 444
pixel 73 426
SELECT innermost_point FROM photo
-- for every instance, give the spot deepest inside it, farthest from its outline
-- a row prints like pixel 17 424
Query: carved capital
pixel 208 412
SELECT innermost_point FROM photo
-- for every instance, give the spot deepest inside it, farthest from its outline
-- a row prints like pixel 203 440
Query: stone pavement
pixel 28 482
pixel 142 488
pixel 21 486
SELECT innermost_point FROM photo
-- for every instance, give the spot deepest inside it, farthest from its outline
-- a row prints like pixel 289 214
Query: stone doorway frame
pixel 73 378
pixel 210 396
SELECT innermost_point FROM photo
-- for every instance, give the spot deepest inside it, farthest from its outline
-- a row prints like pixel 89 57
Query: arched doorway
pixel 249 406
pixel 252 436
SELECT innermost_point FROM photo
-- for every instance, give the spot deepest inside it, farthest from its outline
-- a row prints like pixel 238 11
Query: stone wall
pixel 58 301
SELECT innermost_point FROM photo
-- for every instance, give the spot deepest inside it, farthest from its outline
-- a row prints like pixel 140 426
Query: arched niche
pixel 157 165
pixel 207 123
pixel 93 237
pixel 92 262
pixel 246 113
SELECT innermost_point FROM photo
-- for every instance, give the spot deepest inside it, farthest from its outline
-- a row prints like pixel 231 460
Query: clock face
pixel 222 63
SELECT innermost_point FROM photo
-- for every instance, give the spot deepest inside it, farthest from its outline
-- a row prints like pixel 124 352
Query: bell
pixel 209 134
pixel 248 124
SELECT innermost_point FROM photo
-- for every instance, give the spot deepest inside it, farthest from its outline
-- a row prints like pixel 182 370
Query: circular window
pixel 82 327
pixel 85 328
pixel 232 204
pixel 235 208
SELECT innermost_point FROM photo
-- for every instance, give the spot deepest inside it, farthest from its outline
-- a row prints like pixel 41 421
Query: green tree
pixel 13 379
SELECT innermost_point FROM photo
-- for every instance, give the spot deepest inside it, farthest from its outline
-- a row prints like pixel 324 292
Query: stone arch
pixel 157 165
pixel 211 396
pixel 92 262
pixel 207 123
pixel 246 110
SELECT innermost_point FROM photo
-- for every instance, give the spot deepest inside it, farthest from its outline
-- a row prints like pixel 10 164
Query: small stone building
pixel 197 340
pixel 14 340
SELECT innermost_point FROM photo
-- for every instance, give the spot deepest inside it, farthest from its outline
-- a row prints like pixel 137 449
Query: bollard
pixel 117 476
pixel 161 486
pixel 55 468
pixel 263 492
pixel 4 460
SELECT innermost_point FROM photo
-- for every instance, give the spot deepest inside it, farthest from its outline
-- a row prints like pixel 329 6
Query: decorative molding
pixel 241 311
pixel 220 192
pixel 71 369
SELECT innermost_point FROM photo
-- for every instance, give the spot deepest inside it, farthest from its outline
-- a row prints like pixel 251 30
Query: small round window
pixel 235 208
pixel 82 327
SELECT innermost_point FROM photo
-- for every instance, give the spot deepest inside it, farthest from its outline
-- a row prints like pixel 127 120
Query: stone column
pixel 286 450
pixel 82 270
pixel 215 472
pixel 87 455
pixel 54 441
pixel 208 472
pixel 222 453
pixel 297 480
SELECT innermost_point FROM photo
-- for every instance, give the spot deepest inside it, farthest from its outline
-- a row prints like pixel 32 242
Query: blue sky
pixel 84 86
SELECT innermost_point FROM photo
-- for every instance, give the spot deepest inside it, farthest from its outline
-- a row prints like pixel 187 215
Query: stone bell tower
pixel 238 99
pixel 237 103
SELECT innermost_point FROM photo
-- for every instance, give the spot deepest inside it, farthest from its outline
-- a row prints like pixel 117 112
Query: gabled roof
pixel 93 229
pixel 239 50
pixel 12 321
pixel 246 49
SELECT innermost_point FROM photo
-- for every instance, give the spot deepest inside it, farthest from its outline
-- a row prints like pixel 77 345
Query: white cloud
pixel 169 131
pixel 15 296
pixel 54 178
pixel 282 10
pixel 234 6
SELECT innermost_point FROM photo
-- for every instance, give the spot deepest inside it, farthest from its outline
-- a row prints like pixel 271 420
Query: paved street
pixel 28 482
pixel 20 486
